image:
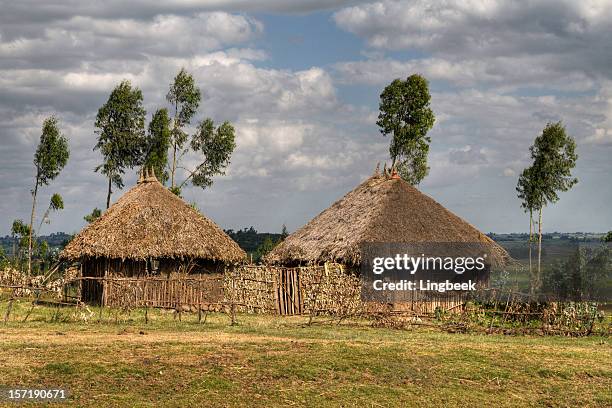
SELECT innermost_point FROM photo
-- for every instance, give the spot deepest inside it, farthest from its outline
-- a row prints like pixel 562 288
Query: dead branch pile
pixel 21 285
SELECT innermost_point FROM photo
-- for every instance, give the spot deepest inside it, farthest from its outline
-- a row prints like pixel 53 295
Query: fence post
pixel 9 307
pixel 199 297
pixel 35 301
pixel 146 303
pixel 101 306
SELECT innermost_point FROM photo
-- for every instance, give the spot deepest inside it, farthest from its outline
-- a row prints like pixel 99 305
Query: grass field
pixel 266 361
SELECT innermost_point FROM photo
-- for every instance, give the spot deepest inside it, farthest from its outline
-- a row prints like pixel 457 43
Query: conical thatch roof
pixel 150 221
pixel 381 209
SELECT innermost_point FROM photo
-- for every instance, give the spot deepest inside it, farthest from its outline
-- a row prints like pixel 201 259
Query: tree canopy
pixel 405 114
pixel 184 96
pixel 52 152
pixel 120 126
pixel 554 156
pixel 158 143
pixel 213 146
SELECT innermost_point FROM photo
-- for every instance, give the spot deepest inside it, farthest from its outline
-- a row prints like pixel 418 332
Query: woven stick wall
pixel 327 289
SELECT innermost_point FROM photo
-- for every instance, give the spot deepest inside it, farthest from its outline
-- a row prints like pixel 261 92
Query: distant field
pixel 266 361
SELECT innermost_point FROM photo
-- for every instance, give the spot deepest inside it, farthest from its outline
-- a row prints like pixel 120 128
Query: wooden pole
pixel 9 307
pixel 146 304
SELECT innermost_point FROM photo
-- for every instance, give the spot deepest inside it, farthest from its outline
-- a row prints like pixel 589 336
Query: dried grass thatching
pixel 149 221
pixel 381 209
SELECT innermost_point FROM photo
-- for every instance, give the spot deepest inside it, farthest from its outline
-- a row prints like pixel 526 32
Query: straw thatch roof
pixel 151 221
pixel 381 209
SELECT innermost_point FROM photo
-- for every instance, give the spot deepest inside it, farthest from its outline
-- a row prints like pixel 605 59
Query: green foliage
pixel 214 146
pixel 55 204
pixel 158 143
pixel 20 229
pixel 269 243
pixel 176 190
pixel 43 249
pixel 185 97
pixel 405 114
pixel 249 239
pixel 121 134
pixel 265 247
pixel 94 215
pixel 284 232
pixel 50 158
pixel 607 237
pixel 52 152
pixel 583 275
pixel 21 233
pixel 554 156
pixel 4 261
pixel 528 192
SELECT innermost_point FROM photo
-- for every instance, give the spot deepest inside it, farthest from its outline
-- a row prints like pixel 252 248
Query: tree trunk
pixel 174 145
pixel 108 196
pixel 31 226
pixel 539 277
pixel 532 285
pixel 173 165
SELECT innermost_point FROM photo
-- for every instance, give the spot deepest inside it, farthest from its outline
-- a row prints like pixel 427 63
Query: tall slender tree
pixel 184 96
pixel 50 158
pixel 405 114
pixel 554 156
pixel 530 197
pixel 120 126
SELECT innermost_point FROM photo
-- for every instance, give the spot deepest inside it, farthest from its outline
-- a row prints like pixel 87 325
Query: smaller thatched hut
pixel 150 232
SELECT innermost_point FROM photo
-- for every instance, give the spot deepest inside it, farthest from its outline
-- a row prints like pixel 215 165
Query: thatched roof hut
pixel 148 222
pixel 381 209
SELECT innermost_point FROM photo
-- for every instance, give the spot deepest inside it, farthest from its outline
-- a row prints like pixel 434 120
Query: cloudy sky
pixel 300 80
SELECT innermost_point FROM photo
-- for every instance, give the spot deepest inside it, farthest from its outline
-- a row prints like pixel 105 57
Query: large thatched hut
pixel 381 209
pixel 150 232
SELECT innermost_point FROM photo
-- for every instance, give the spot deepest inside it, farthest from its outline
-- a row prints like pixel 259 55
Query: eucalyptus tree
pixel 554 156
pixel 184 96
pixel 405 114
pixel 530 197
pixel 50 158
pixel 120 126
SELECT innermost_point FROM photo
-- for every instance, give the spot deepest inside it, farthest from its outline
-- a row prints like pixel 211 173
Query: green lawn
pixel 270 361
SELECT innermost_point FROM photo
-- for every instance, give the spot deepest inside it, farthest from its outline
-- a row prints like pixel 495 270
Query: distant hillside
pixel 55 240
pixel 554 236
